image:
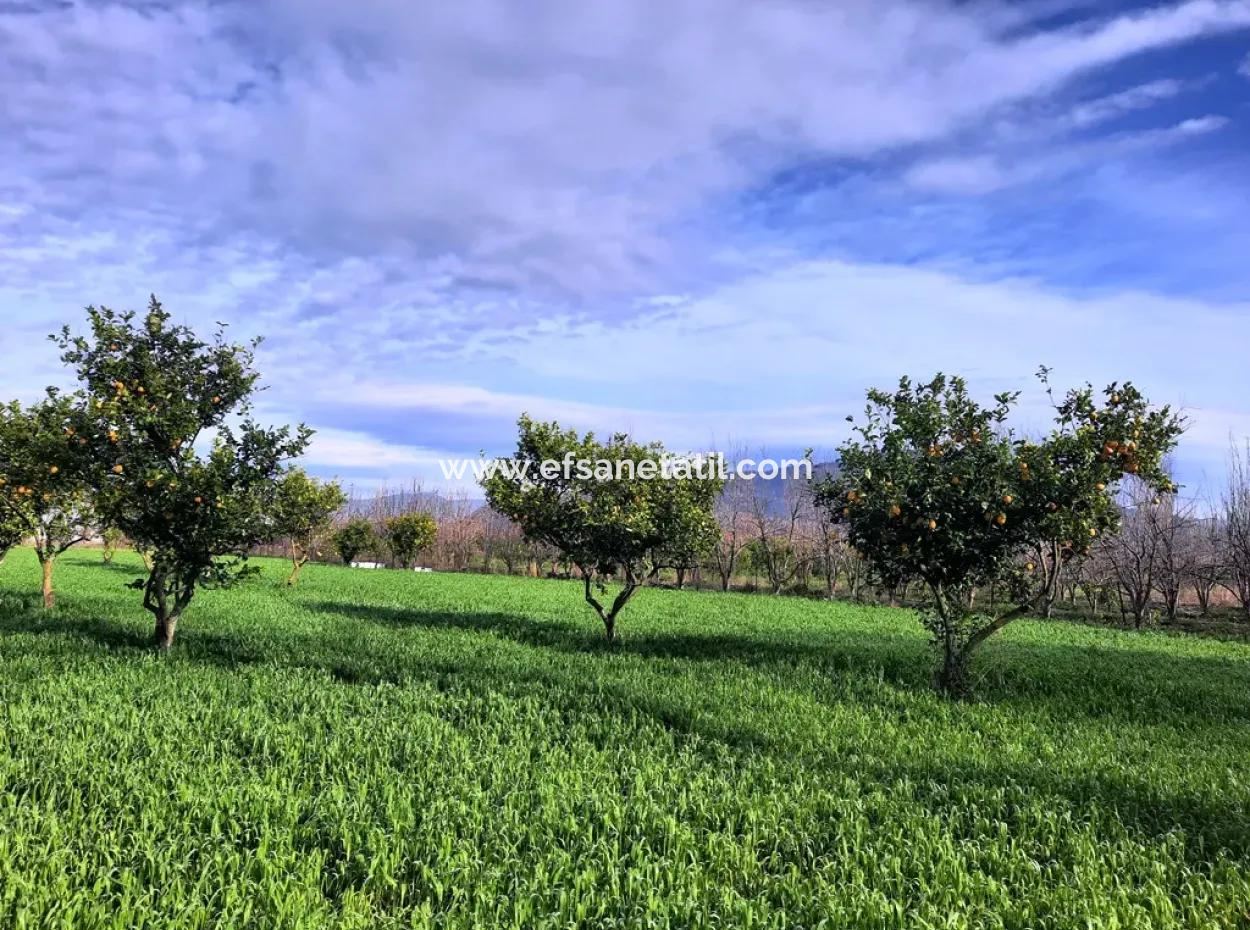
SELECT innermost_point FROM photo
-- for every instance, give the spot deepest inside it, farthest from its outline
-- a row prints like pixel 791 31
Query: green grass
pixel 377 749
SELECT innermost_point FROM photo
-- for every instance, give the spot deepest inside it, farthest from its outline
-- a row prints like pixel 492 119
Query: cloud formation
pixel 549 150
pixel 642 215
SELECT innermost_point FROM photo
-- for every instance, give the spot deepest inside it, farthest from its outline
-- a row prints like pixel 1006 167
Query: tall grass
pixel 377 749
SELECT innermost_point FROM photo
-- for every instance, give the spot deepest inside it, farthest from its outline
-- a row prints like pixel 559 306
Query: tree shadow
pixel 1065 679
pixel 573 637
pixel 1149 810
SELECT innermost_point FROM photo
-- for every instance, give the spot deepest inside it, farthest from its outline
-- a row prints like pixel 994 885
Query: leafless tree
pixel 1095 577
pixel 1236 521
pixel 459 531
pixel 1209 566
pixel 733 513
pixel 780 526
pixel 1133 554
pixel 1173 524
pixel 502 540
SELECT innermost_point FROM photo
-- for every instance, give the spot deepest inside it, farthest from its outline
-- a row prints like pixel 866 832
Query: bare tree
pixel 1095 579
pixel 1133 554
pixel 1174 527
pixel 1236 522
pixel 733 513
pixel 459 530
pixel 780 526
pixel 1209 567
pixel 502 540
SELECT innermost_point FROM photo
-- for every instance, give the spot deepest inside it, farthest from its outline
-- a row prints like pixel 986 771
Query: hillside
pixel 381 749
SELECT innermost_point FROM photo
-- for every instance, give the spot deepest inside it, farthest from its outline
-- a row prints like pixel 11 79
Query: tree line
pixel 933 497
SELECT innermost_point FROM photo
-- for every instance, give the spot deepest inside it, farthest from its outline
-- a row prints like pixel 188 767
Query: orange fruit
pixel 1001 519
pixel 117 469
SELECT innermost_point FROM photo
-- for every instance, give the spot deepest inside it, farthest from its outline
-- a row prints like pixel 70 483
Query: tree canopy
pixel 935 487
pixel 302 511
pixel 42 490
pixel 607 519
pixel 409 534
pixel 353 538
pixel 175 460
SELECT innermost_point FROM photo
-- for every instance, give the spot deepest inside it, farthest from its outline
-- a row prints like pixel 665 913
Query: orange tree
pixel 176 461
pixel 934 487
pixel 42 493
pixel 612 510
pixel 353 538
pixel 409 534
pixel 11 533
pixel 303 509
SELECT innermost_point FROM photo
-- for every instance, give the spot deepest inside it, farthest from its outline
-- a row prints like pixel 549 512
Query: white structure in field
pixel 383 565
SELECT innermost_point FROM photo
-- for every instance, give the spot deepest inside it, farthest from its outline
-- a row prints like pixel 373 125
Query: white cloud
pixel 335 450
pixel 1014 165
pixel 1112 106
pixel 552 149
pixel 779 359
pixel 1200 125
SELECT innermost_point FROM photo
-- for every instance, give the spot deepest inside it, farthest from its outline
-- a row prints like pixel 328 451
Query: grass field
pixel 377 749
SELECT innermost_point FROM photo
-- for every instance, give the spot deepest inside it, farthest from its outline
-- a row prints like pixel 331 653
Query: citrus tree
pixel 111 538
pixel 303 509
pixel 353 538
pixel 408 535
pixel 176 461
pixel 614 516
pixel 935 488
pixel 12 533
pixel 42 492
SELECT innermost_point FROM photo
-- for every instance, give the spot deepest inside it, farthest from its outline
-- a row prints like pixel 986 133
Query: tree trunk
pixel 163 637
pixel 49 596
pixel 157 596
pixel 608 615
pixel 952 674
pixel 681 578
pixel 297 566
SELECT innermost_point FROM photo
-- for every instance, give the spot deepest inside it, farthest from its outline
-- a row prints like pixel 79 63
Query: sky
pixel 707 223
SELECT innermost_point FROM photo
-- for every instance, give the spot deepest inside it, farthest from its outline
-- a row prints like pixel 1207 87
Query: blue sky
pixel 703 222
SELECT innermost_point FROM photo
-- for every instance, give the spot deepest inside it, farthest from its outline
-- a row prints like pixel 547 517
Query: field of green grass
pixel 380 749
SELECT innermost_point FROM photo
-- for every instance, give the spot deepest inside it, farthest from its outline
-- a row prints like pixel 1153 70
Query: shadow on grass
pixel 349 654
